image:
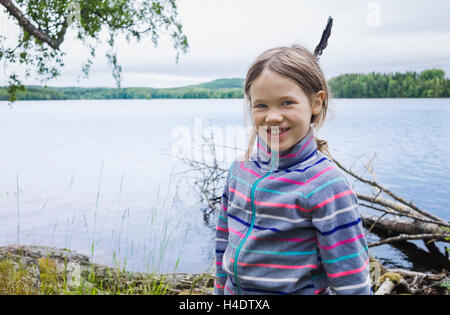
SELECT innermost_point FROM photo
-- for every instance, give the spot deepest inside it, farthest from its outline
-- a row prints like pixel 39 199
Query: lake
pixel 100 176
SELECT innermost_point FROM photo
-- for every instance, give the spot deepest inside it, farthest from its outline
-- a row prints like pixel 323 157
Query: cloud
pixel 226 36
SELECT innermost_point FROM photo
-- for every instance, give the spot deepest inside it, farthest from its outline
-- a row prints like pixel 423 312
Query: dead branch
pixel 405 215
pixel 418 274
pixel 386 288
pixel 401 226
pixel 390 193
pixel 390 204
pixel 436 237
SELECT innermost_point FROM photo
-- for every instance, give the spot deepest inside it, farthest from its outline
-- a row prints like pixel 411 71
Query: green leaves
pixel 46 21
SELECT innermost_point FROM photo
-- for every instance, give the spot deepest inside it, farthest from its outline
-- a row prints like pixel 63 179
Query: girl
pixel 289 222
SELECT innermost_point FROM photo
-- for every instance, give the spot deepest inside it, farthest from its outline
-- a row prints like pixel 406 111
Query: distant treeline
pixel 428 83
pixel 222 88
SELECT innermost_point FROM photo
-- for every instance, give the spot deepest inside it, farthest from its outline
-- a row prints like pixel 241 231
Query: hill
pixel 428 83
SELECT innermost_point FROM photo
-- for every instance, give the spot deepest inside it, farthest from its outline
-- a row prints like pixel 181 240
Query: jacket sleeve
pixel 221 241
pixel 341 242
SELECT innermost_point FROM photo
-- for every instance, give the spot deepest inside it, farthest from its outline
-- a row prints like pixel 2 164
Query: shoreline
pixel 41 270
pixel 37 270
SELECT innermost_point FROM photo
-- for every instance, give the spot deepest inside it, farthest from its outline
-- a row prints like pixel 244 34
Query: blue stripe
pixel 309 156
pixel 308 167
pixel 340 227
pixel 255 226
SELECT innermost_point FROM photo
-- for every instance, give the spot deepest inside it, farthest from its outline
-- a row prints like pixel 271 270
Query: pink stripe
pixel 237 233
pixel 350 272
pixel 281 205
pixel 249 170
pixel 218 263
pixel 275 266
pixel 226 287
pixel 337 196
pixel 350 240
pixel 290 206
pixel 302 183
pixel 294 155
pixel 218 286
pixel 240 194
pixel 298 240
pixel 286 180
pixel 264 150
pixel 288 155
pixel 295 239
pixel 321 290
pixel 223 207
pixel 221 229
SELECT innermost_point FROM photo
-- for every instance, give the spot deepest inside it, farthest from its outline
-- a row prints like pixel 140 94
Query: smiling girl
pixel 289 222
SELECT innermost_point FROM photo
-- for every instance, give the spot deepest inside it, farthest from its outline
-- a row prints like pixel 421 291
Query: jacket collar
pixel 300 152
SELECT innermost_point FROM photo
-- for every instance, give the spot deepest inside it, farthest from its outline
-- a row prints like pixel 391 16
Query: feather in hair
pixel 324 40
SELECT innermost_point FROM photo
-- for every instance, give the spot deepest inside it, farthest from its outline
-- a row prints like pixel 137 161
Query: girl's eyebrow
pixel 278 99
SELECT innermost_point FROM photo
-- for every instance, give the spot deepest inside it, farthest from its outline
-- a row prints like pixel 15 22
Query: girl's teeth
pixel 277 131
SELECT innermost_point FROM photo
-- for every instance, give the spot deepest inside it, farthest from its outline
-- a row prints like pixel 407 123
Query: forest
pixel 426 84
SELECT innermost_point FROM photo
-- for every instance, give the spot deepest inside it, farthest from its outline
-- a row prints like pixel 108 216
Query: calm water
pixel 99 177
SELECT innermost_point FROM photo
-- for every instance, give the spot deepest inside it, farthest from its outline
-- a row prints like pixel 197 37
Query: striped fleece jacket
pixel 290 225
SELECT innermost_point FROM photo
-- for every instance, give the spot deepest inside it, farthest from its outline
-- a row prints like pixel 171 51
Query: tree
pixel 43 25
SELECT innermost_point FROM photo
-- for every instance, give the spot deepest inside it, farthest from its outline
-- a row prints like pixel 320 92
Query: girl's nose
pixel 274 117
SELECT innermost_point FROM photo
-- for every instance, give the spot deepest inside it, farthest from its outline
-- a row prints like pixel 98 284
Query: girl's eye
pixel 260 106
pixel 287 102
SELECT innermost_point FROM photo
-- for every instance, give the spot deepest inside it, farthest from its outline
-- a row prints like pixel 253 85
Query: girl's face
pixel 281 110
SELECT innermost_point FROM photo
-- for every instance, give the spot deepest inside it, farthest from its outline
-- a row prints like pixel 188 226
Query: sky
pixel 225 36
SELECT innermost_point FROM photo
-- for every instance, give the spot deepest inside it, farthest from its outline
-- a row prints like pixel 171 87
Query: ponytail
pixel 322 146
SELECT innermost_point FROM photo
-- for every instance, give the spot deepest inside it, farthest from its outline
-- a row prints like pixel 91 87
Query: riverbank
pixel 39 270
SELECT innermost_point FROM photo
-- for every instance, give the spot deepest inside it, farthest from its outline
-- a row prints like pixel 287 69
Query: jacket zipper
pixel 241 244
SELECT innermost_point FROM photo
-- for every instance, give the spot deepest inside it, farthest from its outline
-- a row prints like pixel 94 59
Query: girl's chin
pixel 279 147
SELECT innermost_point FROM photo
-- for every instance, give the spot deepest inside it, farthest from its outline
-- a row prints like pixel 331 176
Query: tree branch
pixel 387 191
pixel 438 237
pixel 30 28
pixel 425 220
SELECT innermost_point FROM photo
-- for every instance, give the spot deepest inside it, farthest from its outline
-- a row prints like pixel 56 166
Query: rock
pixel 47 270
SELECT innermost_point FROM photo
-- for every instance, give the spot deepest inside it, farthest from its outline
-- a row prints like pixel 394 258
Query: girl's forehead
pixel 271 85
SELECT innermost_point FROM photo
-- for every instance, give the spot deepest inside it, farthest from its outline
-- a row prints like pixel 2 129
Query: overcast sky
pixel 225 36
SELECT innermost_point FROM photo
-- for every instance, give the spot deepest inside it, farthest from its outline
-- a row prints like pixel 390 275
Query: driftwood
pixel 419 223
pixel 404 205
pixel 437 237
pixel 386 288
pixel 400 226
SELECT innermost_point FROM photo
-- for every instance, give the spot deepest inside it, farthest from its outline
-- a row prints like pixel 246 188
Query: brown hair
pixel 299 65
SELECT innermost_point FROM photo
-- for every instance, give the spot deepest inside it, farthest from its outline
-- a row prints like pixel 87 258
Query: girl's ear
pixel 317 102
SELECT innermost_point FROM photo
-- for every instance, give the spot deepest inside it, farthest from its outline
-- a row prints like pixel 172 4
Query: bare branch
pixel 406 215
pixel 387 191
pixel 438 237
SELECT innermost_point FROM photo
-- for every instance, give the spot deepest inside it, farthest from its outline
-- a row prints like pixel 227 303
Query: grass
pixel 17 277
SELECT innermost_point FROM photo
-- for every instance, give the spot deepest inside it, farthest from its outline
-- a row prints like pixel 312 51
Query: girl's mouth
pixel 277 131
